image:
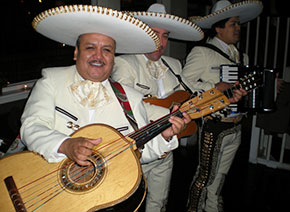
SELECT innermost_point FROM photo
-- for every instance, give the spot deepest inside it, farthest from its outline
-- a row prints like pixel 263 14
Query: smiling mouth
pixel 96 63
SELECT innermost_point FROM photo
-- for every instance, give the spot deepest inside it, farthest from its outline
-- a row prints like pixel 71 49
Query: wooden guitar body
pixel 47 186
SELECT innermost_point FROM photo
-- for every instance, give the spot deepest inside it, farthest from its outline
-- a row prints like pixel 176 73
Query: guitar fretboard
pixel 151 130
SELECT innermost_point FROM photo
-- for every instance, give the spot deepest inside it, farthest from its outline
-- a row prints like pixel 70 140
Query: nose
pixel 238 26
pixel 98 53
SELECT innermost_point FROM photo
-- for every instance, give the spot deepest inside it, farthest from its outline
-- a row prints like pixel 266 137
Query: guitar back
pixel 177 98
pixel 174 99
pixel 42 187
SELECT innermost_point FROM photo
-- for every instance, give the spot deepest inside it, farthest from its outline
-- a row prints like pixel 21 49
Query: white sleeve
pixel 37 122
pixel 157 147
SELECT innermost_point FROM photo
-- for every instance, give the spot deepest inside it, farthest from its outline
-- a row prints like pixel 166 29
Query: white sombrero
pixel 246 10
pixel 178 27
pixel 65 23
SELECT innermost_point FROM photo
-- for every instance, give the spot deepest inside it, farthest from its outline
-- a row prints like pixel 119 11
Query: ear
pixel 218 30
pixel 75 54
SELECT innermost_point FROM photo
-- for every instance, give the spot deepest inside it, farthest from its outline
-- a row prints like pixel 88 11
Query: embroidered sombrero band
pixel 65 23
pixel 178 28
pixel 246 10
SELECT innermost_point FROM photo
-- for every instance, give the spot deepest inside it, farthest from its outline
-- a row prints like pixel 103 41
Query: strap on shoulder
pixel 178 77
pixel 214 48
pixel 122 97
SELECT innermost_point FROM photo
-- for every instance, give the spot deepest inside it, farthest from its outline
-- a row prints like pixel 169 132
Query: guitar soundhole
pixel 82 178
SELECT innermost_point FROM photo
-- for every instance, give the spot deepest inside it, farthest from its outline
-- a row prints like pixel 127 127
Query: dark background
pixel 24 52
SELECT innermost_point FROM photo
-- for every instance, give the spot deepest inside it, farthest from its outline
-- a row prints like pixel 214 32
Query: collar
pixel 223 44
pixel 104 83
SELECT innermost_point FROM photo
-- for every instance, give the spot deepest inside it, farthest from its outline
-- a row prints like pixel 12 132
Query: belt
pixel 234 120
pixel 165 154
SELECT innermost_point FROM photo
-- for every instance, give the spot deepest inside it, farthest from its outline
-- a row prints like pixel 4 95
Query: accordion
pixel 259 99
pixel 230 74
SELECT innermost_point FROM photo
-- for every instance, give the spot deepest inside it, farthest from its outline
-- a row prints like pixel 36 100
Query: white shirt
pixel 161 90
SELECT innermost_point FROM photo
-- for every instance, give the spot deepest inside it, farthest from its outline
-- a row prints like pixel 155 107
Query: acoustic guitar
pixel 177 98
pixel 113 181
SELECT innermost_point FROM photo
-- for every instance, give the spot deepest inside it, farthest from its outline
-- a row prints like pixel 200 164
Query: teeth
pixel 94 63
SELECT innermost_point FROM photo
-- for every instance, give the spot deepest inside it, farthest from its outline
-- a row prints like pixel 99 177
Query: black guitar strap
pixel 178 77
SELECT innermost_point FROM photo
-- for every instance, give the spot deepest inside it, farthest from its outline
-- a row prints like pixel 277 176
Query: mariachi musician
pixel 68 98
pixel 220 135
pixel 157 75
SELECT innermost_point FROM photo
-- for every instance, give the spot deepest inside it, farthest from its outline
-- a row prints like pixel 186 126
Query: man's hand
pixel 178 125
pixel 78 149
pixel 238 94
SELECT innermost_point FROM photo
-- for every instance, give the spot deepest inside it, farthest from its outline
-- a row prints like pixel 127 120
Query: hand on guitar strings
pixel 178 124
pixel 78 149
pixel 237 93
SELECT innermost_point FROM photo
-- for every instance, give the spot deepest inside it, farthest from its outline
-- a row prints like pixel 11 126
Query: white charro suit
pixel 202 66
pixel 202 71
pixel 132 71
pixel 44 128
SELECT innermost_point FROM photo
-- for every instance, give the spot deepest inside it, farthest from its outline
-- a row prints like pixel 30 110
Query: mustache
pixel 96 61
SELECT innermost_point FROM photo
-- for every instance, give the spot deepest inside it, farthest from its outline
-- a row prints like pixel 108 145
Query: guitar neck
pixel 229 93
pixel 146 133
pixel 248 82
pixel 199 106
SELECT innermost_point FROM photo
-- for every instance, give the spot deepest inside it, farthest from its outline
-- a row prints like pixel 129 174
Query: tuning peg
pixel 195 94
pixel 226 111
pixel 218 118
pixel 222 101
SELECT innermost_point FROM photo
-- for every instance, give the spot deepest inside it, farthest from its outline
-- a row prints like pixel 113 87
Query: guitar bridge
pixel 14 194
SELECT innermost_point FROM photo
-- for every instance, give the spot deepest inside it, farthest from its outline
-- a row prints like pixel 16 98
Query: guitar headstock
pixel 251 80
pixel 214 100
pixel 205 103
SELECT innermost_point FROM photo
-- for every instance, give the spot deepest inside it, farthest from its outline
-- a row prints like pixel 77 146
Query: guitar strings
pixel 56 192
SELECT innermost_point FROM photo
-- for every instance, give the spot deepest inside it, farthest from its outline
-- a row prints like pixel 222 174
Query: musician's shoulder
pixel 174 63
pixel 130 58
pixel 132 91
pixel 169 59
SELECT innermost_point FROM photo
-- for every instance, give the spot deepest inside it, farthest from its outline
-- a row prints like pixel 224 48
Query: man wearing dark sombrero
pixel 66 99
pixel 156 75
pixel 220 138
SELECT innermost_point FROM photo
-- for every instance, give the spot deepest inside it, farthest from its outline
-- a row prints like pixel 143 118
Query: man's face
pixel 95 56
pixel 163 36
pixel 230 34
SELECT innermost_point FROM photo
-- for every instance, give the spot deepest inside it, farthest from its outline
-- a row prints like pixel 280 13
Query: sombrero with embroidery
pixel 179 28
pixel 246 10
pixel 65 23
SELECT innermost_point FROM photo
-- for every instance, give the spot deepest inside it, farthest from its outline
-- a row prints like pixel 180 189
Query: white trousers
pixel 158 177
pixel 229 147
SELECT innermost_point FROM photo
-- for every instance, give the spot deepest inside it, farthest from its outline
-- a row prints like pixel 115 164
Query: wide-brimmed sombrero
pixel 179 28
pixel 65 23
pixel 246 10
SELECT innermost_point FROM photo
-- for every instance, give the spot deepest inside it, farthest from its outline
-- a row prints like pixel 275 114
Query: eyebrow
pixel 108 45
pixel 105 45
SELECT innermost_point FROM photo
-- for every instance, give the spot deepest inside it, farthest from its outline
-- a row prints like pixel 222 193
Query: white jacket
pixel 44 128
